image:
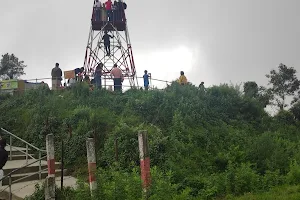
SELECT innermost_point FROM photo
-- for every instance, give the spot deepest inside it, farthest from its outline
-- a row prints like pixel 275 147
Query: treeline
pixel 204 143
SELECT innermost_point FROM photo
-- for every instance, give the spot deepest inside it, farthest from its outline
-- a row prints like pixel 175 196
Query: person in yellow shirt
pixel 182 79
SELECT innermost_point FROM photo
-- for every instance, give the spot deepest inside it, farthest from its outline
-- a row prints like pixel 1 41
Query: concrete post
pixel 50 180
pixel 144 161
pixel 91 158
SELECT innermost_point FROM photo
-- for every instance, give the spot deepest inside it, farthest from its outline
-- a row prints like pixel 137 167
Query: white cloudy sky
pixel 214 41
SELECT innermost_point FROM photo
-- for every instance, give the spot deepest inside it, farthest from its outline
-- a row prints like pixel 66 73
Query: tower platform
pixel 119 25
pixel 116 51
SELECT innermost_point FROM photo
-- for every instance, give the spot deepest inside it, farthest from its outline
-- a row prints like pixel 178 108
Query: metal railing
pixel 10 182
pixel 107 83
pixel 26 153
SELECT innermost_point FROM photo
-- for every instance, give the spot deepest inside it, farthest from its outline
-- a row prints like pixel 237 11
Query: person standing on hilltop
pixel 79 72
pixel 146 80
pixel 182 79
pixel 117 76
pixel 56 74
pixel 3 158
pixel 201 87
pixel 98 74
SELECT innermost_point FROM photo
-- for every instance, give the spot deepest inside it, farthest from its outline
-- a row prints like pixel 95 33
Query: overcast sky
pixel 214 41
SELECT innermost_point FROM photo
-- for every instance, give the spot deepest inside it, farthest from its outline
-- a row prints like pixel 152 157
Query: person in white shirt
pixel 97 8
pixel 71 81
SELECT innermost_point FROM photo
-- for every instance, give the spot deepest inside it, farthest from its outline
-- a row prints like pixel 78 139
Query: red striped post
pixel 144 161
pixel 50 181
pixel 50 155
pixel 91 158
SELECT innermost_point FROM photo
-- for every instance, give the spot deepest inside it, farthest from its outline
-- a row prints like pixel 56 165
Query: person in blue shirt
pixel 146 80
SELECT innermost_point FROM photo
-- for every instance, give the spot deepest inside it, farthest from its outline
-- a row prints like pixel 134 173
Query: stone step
pixel 20 157
pixel 29 169
pixel 4 195
pixel 23 189
pixel 18 150
pixel 22 150
pixel 30 176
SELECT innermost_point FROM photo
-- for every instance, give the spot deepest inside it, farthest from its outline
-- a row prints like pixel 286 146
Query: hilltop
pixel 203 143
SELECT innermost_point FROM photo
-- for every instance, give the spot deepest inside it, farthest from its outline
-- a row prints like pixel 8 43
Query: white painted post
pixel 144 161
pixel 50 180
pixel 91 158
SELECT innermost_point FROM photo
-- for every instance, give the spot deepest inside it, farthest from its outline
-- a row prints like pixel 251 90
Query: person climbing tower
pixel 182 79
pixel 146 80
pixel 106 40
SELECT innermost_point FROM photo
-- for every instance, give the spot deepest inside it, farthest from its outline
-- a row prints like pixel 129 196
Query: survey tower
pixel 109 43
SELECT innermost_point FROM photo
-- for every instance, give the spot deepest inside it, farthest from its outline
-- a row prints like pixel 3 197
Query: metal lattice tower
pixel 120 47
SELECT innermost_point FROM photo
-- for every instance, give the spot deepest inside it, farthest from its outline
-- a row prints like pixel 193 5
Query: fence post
pixel 62 166
pixel 9 183
pixel 91 158
pixel 50 180
pixel 144 161
pixel 10 147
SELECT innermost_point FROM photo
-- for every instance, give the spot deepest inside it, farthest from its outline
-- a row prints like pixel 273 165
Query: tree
pixel 262 94
pixel 265 96
pixel 251 89
pixel 284 83
pixel 11 67
pixel 295 109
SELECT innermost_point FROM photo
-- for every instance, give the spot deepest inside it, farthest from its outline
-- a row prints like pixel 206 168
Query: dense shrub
pixel 203 144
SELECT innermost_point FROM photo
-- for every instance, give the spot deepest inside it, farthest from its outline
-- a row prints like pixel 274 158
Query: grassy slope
pixel 277 193
pixel 215 143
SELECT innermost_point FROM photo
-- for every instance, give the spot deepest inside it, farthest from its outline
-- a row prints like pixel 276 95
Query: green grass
pixel 277 193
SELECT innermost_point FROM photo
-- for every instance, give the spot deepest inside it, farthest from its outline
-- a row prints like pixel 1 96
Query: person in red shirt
pixel 108 6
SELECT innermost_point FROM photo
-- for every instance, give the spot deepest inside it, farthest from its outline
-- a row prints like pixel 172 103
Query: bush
pixel 203 144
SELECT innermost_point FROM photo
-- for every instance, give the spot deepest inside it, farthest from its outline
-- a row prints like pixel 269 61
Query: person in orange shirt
pixel 117 76
pixel 182 79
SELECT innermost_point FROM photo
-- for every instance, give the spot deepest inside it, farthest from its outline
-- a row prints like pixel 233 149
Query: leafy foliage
pixel 284 83
pixel 11 67
pixel 295 109
pixel 251 89
pixel 203 144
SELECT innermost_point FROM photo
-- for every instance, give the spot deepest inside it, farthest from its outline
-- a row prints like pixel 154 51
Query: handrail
pixel 16 170
pixel 23 152
pixel 103 77
pixel 158 80
pixel 9 133
pixel 40 151
pixel 32 174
